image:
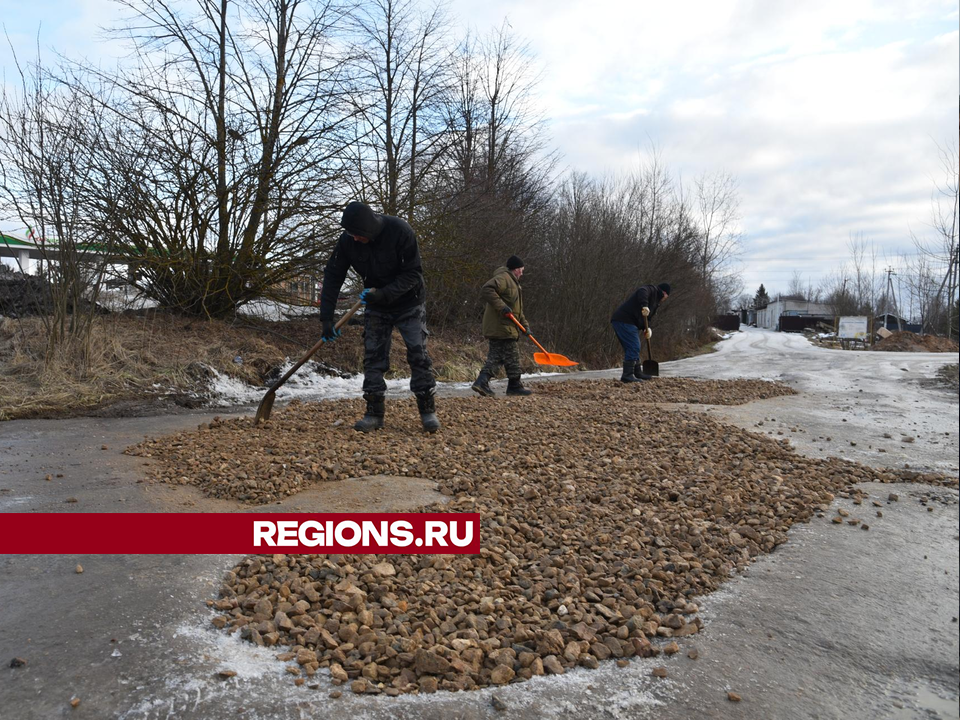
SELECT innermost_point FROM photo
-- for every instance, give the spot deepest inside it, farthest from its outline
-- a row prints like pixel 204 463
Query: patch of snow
pixel 124 298
pixel 244 658
pixel 10 502
pixel 275 311
pixel 261 688
pixel 305 384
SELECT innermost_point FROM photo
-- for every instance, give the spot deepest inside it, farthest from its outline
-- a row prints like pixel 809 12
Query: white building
pixel 769 317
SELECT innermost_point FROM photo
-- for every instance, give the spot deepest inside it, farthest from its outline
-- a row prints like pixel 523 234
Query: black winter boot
pixel 427 406
pixel 628 375
pixel 639 373
pixel 515 387
pixel 373 418
pixel 482 385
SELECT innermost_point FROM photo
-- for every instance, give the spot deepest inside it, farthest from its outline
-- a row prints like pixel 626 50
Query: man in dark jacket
pixel 627 321
pixel 383 251
pixel 503 296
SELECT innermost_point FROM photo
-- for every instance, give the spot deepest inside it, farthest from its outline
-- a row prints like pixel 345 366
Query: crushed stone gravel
pixel 602 515
pixel 306 443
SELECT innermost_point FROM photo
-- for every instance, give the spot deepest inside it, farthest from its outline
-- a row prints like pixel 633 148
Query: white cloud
pixel 828 112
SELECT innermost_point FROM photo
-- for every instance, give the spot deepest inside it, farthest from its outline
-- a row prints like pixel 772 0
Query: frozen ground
pixel 849 401
pixel 838 623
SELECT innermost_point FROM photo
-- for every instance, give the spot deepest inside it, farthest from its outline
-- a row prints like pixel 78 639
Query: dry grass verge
pixel 156 354
pixel 126 357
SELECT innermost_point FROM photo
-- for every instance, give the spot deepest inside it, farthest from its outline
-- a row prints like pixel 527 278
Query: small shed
pixel 890 320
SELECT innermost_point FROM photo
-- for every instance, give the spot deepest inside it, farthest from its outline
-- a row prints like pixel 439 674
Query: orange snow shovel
pixel 266 405
pixel 543 358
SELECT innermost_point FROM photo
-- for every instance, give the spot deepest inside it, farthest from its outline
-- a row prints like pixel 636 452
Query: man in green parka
pixel 503 295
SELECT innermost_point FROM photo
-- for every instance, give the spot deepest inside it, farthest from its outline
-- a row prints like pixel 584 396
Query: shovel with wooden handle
pixel 266 405
pixel 649 366
pixel 543 357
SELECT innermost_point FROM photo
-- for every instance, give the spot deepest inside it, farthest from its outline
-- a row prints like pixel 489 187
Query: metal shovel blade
pixel 541 358
pixel 651 367
pixel 265 406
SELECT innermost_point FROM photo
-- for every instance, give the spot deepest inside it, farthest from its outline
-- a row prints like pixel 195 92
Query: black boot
pixel 482 385
pixel 628 375
pixel 639 373
pixel 373 417
pixel 427 406
pixel 515 387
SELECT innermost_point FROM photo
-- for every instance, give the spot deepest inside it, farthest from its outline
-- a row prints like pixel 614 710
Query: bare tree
pixel 226 150
pixel 865 278
pixel 49 133
pixel 796 290
pixel 494 189
pixel 718 219
pixel 507 79
pixel 943 253
pixel 402 69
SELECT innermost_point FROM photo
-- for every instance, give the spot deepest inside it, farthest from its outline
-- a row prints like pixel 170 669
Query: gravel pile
pixel 315 442
pixel 904 341
pixel 601 516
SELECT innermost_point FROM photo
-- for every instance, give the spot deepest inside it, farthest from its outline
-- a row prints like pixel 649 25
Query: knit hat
pixel 359 219
pixel 664 288
pixel 513 262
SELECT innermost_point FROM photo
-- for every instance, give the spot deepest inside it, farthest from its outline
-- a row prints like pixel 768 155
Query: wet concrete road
pixel 837 623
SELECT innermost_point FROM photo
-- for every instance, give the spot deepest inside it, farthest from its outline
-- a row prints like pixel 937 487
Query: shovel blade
pixel 265 406
pixel 553 359
pixel 651 367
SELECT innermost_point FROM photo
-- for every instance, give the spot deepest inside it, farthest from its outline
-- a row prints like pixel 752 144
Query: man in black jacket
pixel 383 251
pixel 627 321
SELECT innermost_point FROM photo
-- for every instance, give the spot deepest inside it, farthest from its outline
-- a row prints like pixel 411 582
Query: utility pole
pixel 889 294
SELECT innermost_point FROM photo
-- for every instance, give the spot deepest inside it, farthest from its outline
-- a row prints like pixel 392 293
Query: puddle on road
pixel 921 700
pixel 9 502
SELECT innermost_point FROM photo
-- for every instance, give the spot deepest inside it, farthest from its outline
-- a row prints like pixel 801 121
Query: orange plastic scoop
pixel 544 357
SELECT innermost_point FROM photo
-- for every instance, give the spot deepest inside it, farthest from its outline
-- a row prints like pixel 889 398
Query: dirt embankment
pixel 904 341
pixel 155 360
pixel 601 515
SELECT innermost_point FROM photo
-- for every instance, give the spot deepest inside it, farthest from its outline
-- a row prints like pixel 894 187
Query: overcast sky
pixel 828 112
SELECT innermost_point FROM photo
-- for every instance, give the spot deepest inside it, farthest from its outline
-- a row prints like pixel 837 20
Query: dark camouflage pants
pixel 377 336
pixel 506 353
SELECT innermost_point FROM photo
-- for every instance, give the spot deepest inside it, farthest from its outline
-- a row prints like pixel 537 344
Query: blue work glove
pixel 506 311
pixel 330 333
pixel 369 296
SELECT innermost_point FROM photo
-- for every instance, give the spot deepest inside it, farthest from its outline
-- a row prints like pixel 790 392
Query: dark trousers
pixel 629 337
pixel 505 353
pixel 377 335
